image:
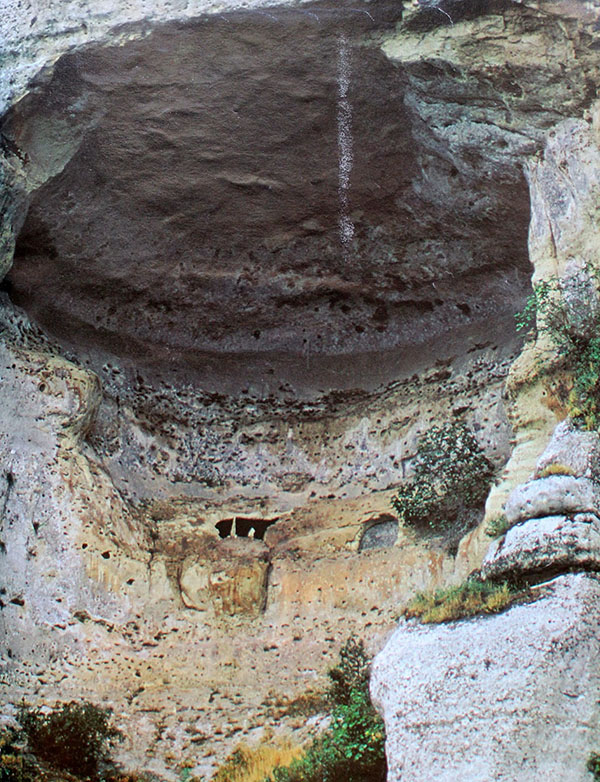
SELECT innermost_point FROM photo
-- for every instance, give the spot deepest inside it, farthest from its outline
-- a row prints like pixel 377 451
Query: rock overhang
pixel 201 176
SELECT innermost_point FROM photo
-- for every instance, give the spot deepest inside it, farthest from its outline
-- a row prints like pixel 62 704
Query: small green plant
pixel 14 766
pixel 557 309
pixel 451 480
pixel 497 526
pixel 72 737
pixel 352 749
pixel 593 765
pixel 351 674
pixel 474 596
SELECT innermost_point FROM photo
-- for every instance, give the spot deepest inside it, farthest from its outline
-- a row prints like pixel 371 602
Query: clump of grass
pixel 556 469
pixel 253 764
pixel 497 526
pixel 472 597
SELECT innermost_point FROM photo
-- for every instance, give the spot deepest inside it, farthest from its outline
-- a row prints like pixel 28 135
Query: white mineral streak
pixel 344 131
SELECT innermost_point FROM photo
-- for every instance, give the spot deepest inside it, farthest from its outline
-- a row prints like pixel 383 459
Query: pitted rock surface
pixel 202 165
pixel 552 495
pixel 509 697
pixel 196 641
pixel 571 450
pixel 554 543
pixel 288 241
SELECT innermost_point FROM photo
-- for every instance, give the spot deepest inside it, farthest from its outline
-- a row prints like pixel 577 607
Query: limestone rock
pixel 553 495
pixel 570 451
pixel 508 697
pixel 564 186
pixel 580 297
pixel 240 589
pixel 187 239
pixel 564 190
pixel 193 583
pixel 552 543
pixel 269 259
pixel 229 586
pixel 13 206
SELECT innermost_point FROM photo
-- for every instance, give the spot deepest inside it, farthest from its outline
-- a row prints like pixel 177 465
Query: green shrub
pixel 72 737
pixel 353 748
pixel 593 765
pixel 497 526
pixel 474 596
pixel 549 312
pixel 14 766
pixel 351 674
pixel 451 480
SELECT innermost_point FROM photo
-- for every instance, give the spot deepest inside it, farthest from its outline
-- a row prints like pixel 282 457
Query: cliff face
pixel 197 640
pixel 515 696
pixel 257 253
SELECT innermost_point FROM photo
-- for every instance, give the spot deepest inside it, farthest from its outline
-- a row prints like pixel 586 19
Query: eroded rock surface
pixel 550 543
pixel 197 635
pixel 496 698
pixel 551 495
pixel 571 451
pixel 286 242
pixel 509 697
pixel 553 518
pixel 214 211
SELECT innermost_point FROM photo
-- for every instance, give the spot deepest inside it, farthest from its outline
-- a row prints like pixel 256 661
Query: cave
pixel 380 532
pixel 251 211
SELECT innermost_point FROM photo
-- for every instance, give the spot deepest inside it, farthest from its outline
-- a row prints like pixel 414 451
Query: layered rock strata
pixel 197 634
pixel 514 696
pixel 223 243
pixel 554 522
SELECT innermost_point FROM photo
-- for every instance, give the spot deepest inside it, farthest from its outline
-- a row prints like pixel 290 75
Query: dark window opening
pixel 224 527
pixel 244 527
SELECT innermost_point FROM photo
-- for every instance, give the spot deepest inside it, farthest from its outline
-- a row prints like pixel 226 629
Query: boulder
pixel 571 451
pixel 556 494
pixel 553 542
pixel 507 697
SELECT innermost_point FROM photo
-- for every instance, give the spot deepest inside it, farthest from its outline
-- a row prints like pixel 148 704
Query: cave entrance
pixel 244 527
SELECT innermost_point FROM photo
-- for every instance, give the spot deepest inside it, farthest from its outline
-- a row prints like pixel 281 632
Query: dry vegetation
pixel 457 602
pixel 253 764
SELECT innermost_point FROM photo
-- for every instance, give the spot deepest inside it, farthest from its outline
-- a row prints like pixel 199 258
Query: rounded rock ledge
pixel 554 543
